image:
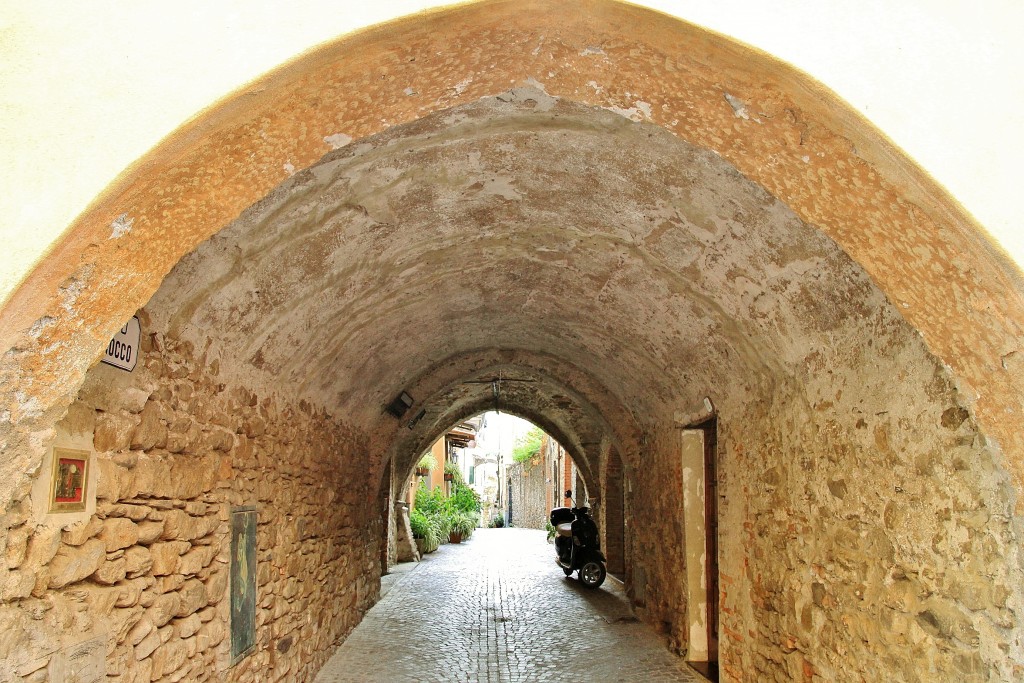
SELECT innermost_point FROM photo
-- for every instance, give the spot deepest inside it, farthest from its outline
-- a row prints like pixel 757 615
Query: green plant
pixel 426 529
pixel 528 445
pixel 551 531
pixel 497 521
pixel 427 462
pixel 462 523
pixel 452 469
pixel 430 502
pixel 433 505
pixel 421 526
pixel 465 499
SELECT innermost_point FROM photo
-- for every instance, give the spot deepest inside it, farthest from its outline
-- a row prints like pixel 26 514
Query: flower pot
pixel 449 477
pixel 422 471
pixel 455 537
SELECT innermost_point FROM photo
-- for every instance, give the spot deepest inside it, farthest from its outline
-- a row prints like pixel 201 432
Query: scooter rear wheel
pixel 592 573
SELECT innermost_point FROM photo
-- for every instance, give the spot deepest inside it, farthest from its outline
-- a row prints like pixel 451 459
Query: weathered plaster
pixel 803 146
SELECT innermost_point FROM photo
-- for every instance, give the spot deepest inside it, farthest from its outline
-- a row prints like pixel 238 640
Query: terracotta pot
pixel 449 477
pixel 454 537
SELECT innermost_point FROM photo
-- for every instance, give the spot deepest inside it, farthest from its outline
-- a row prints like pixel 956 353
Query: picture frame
pixel 69 480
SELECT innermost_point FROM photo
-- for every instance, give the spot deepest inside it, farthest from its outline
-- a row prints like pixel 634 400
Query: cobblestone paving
pixel 497 609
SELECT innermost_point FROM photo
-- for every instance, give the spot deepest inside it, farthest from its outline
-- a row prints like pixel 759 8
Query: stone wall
pixel 867 528
pixel 528 493
pixel 176 446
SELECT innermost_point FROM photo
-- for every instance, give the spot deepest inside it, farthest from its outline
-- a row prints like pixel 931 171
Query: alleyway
pixel 498 609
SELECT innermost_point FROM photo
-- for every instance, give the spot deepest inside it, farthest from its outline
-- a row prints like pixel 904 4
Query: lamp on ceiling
pixel 417 418
pixel 401 404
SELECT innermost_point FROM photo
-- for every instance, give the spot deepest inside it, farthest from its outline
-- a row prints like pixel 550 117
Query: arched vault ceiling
pixel 782 131
pixel 519 222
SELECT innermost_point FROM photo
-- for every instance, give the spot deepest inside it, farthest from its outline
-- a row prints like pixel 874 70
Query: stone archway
pixel 749 241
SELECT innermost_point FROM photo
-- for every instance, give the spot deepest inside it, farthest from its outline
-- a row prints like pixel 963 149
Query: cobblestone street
pixel 498 609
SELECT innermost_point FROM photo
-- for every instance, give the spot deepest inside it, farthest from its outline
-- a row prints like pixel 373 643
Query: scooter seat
pixel 564 529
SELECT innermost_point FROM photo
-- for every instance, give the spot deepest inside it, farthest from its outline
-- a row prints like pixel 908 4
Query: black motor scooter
pixel 577 545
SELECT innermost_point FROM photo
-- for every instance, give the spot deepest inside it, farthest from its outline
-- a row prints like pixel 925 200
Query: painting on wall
pixel 69 483
pixel 243 582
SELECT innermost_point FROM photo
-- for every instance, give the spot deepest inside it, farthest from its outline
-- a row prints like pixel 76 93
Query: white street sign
pixel 123 350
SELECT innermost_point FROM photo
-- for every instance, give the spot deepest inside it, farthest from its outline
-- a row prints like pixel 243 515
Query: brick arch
pixel 776 126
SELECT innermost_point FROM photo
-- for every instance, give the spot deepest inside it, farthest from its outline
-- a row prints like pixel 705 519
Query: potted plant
pixel 425 464
pixel 424 531
pixel 462 525
pixel 451 472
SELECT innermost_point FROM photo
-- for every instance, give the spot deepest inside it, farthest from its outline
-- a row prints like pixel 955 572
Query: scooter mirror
pixel 568 493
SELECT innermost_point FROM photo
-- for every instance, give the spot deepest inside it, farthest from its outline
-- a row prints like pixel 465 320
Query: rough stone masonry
pixel 177 446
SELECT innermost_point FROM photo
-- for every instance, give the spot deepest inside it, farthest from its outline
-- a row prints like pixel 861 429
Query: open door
pixel 699 454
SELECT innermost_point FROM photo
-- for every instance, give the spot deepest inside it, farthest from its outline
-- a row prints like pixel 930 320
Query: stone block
pixel 168 584
pixel 16 585
pixel 112 480
pixel 196 559
pixel 167 658
pixel 142 629
pixel 163 609
pixel 150 531
pixel 178 524
pixel 148 597
pixel 110 572
pixel 214 631
pixel 17 547
pixel 190 478
pixel 113 432
pixel 147 645
pixel 196 508
pixel 73 564
pixel 216 586
pixel 136 513
pixel 118 533
pixel 191 646
pixel 166 556
pixel 151 478
pixel 176 443
pixel 81 532
pixel 42 547
pixel 141 672
pixel 188 626
pixel 131 592
pixel 138 560
pixel 193 598
pixel 150 432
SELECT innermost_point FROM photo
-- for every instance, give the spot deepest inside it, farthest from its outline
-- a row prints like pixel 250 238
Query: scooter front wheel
pixel 592 573
pixel 567 571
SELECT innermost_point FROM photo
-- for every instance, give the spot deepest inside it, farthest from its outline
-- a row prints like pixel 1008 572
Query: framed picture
pixel 70 480
pixel 243 582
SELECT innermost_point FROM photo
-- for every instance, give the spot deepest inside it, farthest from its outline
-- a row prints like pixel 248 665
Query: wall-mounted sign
pixel 70 480
pixel 243 582
pixel 123 350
